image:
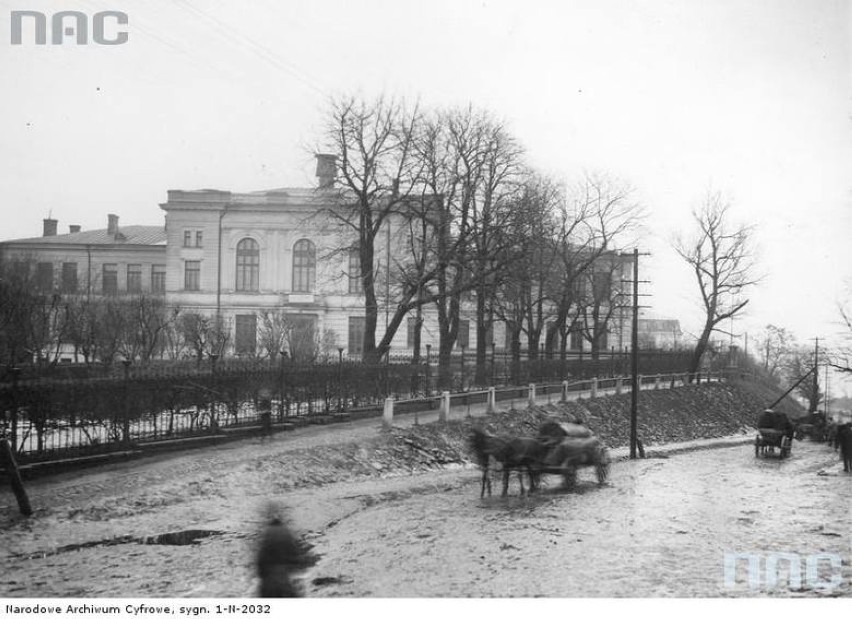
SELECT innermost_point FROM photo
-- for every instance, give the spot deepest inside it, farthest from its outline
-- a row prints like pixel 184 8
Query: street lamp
pixel 126 421
pixel 493 362
pixel 428 369
pixel 462 346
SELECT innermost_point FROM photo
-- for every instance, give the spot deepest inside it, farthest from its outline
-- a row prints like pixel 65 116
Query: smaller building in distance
pixel 110 260
pixel 71 291
pixel 657 333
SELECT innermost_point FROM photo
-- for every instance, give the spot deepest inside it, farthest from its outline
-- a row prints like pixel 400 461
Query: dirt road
pixel 660 527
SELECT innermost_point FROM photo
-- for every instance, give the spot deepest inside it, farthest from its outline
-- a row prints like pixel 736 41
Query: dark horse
pixel 513 453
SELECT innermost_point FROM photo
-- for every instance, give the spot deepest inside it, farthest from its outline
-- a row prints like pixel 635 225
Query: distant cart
pixel 774 431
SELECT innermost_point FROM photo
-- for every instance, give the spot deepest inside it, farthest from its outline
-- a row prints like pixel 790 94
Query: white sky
pixel 753 98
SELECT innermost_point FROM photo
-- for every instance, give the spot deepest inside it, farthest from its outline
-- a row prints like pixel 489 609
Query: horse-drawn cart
pixel 768 439
pixel 570 446
pixel 774 430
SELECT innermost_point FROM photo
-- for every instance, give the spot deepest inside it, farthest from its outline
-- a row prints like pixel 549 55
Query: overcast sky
pixel 751 98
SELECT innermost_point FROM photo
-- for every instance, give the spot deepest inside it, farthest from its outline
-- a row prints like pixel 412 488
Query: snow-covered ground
pixel 659 527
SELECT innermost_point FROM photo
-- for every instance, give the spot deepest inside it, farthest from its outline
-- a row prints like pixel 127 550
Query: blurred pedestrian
pixel 279 555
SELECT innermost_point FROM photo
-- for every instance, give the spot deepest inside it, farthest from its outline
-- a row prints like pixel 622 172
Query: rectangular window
pixel 21 270
pixel 412 326
pixel 69 277
pixel 110 279
pixel 134 278
pixel 507 340
pixel 245 337
pixel 192 275
pixel 580 288
pixel 302 337
pixel 463 339
pixel 576 340
pixel 356 285
pixel 44 276
pixel 602 283
pixel 158 278
pixel 199 236
pixel 356 335
pixel 187 238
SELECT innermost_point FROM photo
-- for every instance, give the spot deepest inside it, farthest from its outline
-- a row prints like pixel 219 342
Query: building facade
pixel 108 261
pixel 276 272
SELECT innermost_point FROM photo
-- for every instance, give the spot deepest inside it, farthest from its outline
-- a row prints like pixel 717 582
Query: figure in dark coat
pixel 279 555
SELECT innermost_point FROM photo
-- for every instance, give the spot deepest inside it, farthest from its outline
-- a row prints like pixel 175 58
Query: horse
pixel 573 452
pixel 519 452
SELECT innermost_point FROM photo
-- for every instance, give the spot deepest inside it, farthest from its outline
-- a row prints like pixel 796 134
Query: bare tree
pixel 468 161
pixel 203 334
pixel 799 362
pixel 524 302
pixel 373 144
pixel 604 215
pixel 774 347
pixel 25 315
pixel 601 302
pixel 272 332
pixel 723 262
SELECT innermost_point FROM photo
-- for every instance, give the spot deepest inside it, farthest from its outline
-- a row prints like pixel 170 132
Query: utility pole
pixel 634 363
pixel 812 407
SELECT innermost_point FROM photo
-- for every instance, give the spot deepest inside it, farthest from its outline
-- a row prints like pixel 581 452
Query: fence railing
pixel 535 393
pixel 48 418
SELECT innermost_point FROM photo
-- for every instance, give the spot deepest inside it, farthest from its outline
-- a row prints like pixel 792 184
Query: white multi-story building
pixel 249 257
pixel 274 269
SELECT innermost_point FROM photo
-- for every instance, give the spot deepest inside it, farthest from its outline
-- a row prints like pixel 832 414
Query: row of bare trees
pixel 43 327
pixel 474 226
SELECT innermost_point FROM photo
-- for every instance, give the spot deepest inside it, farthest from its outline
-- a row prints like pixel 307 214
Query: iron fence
pixel 49 414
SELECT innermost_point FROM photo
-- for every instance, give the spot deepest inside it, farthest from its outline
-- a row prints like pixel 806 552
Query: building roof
pixel 127 235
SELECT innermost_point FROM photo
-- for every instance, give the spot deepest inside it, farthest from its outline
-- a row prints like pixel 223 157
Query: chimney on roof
pixel 326 170
pixel 73 228
pixel 112 224
pixel 50 227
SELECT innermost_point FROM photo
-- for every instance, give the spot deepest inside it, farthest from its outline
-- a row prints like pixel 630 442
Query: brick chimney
pixel 326 170
pixel 50 227
pixel 73 228
pixel 112 224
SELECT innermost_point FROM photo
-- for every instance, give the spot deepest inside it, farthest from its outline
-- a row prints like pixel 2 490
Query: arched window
pixel 248 265
pixel 304 266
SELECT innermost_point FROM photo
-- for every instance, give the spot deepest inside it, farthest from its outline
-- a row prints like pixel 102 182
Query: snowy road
pixel 660 527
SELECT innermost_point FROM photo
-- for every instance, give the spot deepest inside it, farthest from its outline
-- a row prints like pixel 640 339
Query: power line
pixel 228 33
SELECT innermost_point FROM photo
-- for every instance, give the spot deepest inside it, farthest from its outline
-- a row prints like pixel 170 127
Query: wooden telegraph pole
pixel 813 405
pixel 634 362
pixel 635 443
